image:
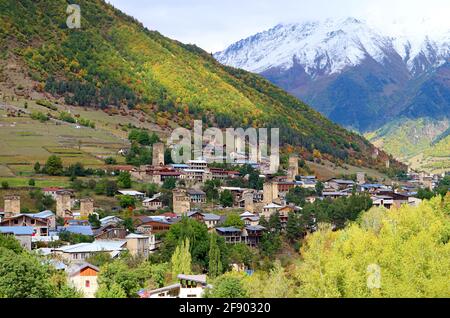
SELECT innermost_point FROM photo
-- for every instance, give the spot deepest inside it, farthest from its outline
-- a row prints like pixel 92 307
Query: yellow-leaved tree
pixel 402 252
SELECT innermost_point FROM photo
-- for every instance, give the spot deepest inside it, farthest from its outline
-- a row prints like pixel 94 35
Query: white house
pixel 189 286
pixel 83 277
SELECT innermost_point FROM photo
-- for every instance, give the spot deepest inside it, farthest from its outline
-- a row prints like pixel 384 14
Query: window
pixel 88 284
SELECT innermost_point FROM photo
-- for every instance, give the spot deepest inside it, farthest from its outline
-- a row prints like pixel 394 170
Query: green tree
pixel 210 187
pixel 37 167
pixel 94 221
pixel 215 262
pixel 181 259
pixel 31 183
pixel 226 198
pixel 275 222
pixel 113 291
pixel 401 252
pixel 169 184
pixel 319 188
pixel 127 201
pixel 228 285
pixel 53 166
pixel 293 230
pixel 234 220
pixel 5 185
pixel 151 189
pixel 111 188
pixel 124 180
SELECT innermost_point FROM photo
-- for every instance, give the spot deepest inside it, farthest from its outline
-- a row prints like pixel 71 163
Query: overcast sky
pixel 215 24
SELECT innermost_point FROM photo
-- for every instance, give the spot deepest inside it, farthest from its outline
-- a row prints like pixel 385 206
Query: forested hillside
pixel 113 61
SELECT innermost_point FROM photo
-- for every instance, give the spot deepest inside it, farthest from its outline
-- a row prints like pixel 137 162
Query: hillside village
pixel 236 202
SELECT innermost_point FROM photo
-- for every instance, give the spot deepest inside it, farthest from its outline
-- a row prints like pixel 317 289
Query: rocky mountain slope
pixel 352 72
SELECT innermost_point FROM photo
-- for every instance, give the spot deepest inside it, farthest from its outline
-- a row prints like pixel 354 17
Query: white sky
pixel 215 24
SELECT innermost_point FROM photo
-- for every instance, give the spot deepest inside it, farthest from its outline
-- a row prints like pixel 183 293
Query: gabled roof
pixel 193 278
pixel 77 268
pixel 247 214
pixel 130 192
pixel 78 229
pixel 230 229
pixel 17 230
pixel 96 246
pixel 211 217
pixel 255 228
pixel 195 192
pixel 111 217
pixel 272 206
pixel 136 236
pixel 43 215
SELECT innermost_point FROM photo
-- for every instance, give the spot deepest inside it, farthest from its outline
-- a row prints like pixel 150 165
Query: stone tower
pixel 274 163
pixel 248 201
pixel 361 177
pixel 293 168
pixel 86 207
pixel 270 192
pixel 12 204
pixel 181 201
pixel 158 154
pixel 63 203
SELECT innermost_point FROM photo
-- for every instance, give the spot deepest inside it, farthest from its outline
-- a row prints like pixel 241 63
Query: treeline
pixel 88 94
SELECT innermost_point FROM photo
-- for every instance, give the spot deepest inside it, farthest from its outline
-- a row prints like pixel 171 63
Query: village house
pixel 340 184
pixel 154 203
pixel 110 232
pixel 250 235
pixel 40 226
pixel 232 235
pixel 83 277
pixel 270 209
pixel 138 244
pixel 253 234
pixel 249 218
pixel 158 224
pixel 382 201
pixel 132 193
pixel 189 286
pixel 196 196
pixel 53 191
pixel 82 251
pixel 209 219
pixel 110 220
pixel 23 234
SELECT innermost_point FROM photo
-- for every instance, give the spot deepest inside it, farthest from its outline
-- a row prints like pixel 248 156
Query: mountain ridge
pixel 317 61
pixel 113 61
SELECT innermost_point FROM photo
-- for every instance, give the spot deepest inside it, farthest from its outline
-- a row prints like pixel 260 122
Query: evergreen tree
pixel 215 263
pixel 292 227
pixel 275 222
pixel 53 166
pixel 226 198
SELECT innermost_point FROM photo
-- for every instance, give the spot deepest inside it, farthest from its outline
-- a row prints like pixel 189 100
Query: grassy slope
pixel 162 76
pixel 413 141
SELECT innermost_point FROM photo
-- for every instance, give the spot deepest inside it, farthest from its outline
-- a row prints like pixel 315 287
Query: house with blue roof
pixel 23 234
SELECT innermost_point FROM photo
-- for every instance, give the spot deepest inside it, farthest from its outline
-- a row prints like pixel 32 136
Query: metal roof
pixel 96 246
pixel 17 230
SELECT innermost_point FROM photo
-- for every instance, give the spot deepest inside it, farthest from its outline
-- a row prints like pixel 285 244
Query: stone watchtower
pixel 86 207
pixel 181 201
pixel 270 192
pixel 158 154
pixel 63 203
pixel 293 168
pixel 12 204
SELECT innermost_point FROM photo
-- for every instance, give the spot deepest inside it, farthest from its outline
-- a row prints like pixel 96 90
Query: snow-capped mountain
pixel 328 47
pixel 355 73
